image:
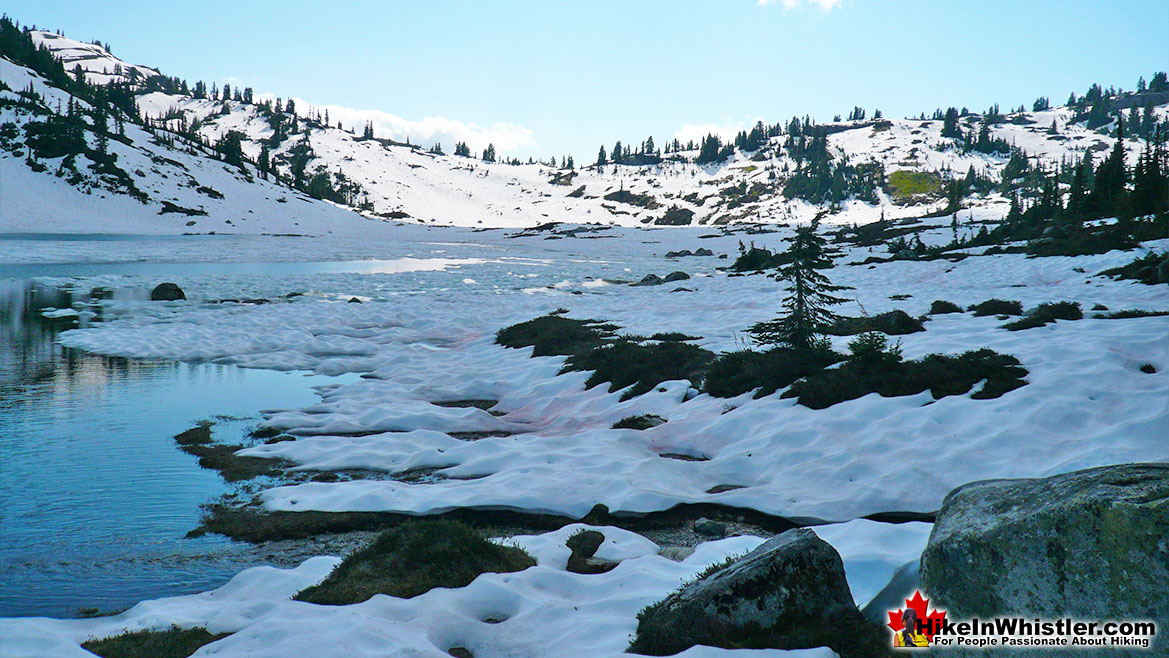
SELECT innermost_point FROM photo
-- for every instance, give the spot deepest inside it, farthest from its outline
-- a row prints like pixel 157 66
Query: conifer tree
pixel 602 159
pixel 809 295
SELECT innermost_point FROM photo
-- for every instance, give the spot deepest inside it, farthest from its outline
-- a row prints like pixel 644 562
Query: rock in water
pixel 676 276
pixel 167 292
pixel 789 593
pixel 1090 544
pixel 649 280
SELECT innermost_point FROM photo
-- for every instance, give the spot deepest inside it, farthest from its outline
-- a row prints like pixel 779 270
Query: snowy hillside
pixel 908 164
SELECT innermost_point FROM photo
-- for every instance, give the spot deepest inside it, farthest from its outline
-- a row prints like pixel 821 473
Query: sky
pixel 560 77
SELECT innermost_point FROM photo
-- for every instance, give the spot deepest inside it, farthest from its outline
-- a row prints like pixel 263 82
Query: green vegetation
pixel 643 422
pixel 735 373
pixel 1129 313
pixel 1150 269
pixel 221 457
pixel 894 323
pixel 872 370
pixel 997 307
pixel 625 363
pixel 552 335
pixel 173 643
pixel 1046 313
pixel 941 306
pixel 904 184
pixel 414 558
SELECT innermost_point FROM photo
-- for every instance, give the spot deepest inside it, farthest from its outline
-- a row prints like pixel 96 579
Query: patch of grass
pixel 624 363
pixel 940 374
pixel 894 323
pixel 941 306
pixel 200 434
pixel 735 373
pixel 903 184
pixel 413 559
pixel 172 643
pixel 997 307
pixel 1130 313
pixel 1046 313
pixel 265 433
pixel 643 422
pixel 552 335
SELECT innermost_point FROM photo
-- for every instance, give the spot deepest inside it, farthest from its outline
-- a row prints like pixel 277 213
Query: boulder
pixel 676 276
pixel 789 593
pixel 1090 544
pixel 705 526
pixel 704 252
pixel 584 545
pixel 649 280
pixel 167 292
pixel 354 300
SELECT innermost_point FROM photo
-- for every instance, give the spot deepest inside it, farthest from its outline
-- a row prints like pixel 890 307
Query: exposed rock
pixel 678 254
pixel 167 292
pixel 789 593
pixel 101 292
pixel 678 275
pixel 584 545
pixel 354 300
pixel 676 553
pixel 705 526
pixel 1091 544
pixel 649 280
pixel 703 252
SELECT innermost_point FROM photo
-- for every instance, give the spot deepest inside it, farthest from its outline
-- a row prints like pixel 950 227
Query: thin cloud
pixel 507 137
pixel 826 5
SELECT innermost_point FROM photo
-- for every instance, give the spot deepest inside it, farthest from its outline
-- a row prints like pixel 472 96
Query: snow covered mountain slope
pixel 907 164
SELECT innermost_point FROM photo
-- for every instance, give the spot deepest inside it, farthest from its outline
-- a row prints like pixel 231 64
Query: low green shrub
pixel 735 373
pixel 552 335
pixel 940 306
pixel 414 558
pixel 172 643
pixel 625 363
pixel 643 422
pixel 1150 269
pixel 940 374
pixel 894 323
pixel 1130 313
pixel 1046 313
pixel 997 307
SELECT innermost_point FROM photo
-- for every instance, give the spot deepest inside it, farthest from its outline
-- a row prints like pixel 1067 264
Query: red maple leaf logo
pixel 930 622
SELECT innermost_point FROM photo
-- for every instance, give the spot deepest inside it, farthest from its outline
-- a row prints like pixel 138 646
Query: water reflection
pixel 94 498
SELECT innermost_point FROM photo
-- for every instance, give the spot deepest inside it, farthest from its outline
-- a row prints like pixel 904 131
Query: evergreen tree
pixel 950 124
pixel 602 159
pixel 1111 179
pixel 489 153
pixel 809 295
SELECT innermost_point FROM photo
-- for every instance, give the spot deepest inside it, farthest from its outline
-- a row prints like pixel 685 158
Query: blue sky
pixel 549 78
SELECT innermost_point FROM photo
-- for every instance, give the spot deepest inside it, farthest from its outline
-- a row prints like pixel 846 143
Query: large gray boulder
pixel 789 593
pixel 1091 544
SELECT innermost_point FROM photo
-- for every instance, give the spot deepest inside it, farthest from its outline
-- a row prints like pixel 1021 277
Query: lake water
pixel 95 499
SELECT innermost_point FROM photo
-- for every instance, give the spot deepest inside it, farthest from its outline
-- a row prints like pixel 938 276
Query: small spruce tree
pixel 809 295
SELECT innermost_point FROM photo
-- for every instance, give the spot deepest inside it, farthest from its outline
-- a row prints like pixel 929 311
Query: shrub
pixel 894 323
pixel 643 422
pixel 872 350
pixel 1150 269
pixel 757 258
pixel 551 335
pixel 1046 313
pixel 625 363
pixel 942 375
pixel 413 559
pixel 997 307
pixel 735 373
pixel 904 183
pixel 1130 313
pixel 172 643
pixel 940 306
